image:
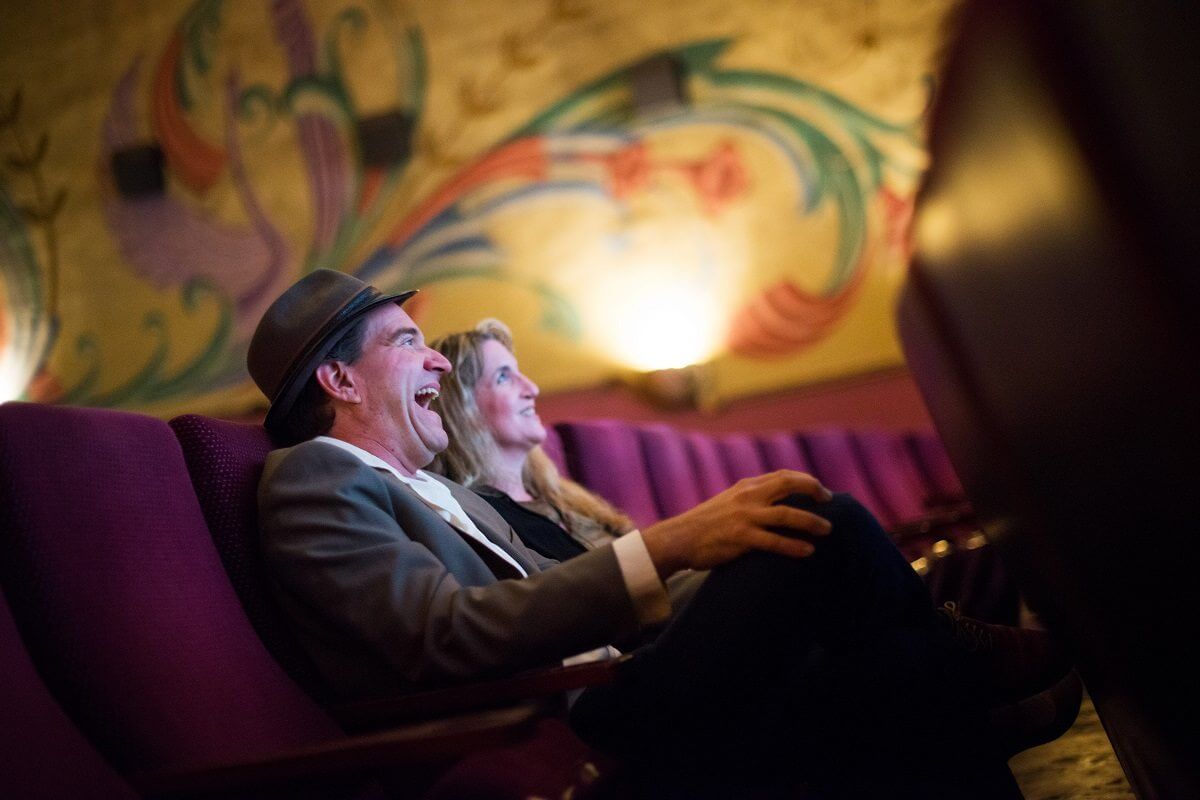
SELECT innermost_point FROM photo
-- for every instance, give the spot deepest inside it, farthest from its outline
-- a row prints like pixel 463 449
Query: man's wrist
pixel 664 549
pixel 650 599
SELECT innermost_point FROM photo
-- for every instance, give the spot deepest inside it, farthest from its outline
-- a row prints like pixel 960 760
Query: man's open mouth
pixel 426 396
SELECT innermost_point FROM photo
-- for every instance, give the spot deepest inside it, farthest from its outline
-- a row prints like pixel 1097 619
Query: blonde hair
pixel 472 450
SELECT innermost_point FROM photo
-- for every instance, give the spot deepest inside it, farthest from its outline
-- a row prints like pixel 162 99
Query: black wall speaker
pixel 659 84
pixel 385 139
pixel 139 171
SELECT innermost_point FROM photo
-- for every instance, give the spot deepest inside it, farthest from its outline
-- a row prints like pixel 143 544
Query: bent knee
pixel 846 514
pixel 842 506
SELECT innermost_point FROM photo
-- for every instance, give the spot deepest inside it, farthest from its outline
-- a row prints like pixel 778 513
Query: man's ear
pixel 337 380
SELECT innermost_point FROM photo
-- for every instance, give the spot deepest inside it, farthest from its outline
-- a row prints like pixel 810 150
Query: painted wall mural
pixel 756 223
pixel 29 309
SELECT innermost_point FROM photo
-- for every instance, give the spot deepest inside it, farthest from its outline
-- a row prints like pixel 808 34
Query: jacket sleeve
pixel 332 540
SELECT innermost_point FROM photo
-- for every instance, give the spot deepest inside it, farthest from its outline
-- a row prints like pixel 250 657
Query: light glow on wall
pixel 663 298
pixel 26 333
pixel 14 375
pixel 666 325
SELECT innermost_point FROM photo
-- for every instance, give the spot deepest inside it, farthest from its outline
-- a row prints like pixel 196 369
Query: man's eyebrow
pixel 402 332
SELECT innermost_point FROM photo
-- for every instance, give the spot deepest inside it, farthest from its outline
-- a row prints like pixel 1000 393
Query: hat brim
pixel 314 351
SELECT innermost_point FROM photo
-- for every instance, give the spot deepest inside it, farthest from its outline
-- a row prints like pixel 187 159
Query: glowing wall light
pixel 16 366
pixel 26 333
pixel 662 324
pixel 663 299
pixel 12 379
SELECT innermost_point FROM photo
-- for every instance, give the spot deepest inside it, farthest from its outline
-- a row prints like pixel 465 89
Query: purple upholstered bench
pixel 904 478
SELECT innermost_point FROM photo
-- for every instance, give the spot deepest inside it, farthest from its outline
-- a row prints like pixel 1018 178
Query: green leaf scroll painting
pixel 591 147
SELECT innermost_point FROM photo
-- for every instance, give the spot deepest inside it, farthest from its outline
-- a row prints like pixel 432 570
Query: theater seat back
pixel 225 461
pixel 123 602
pixel 43 756
pixel 1052 321
pixel 606 456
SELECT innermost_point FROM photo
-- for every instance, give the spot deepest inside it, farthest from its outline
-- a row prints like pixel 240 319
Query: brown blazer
pixel 386 596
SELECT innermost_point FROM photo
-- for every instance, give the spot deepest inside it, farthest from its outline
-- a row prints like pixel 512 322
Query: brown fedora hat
pixel 300 327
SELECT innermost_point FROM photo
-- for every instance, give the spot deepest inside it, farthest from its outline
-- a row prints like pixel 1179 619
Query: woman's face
pixel 506 401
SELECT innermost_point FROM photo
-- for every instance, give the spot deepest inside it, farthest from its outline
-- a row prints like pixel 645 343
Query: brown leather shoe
pixel 1036 719
pixel 1013 663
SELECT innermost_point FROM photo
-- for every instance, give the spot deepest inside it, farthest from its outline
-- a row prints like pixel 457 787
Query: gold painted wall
pixel 760 224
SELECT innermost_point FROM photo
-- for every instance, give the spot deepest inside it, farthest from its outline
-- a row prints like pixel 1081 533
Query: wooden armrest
pixel 932 522
pixel 538 683
pixel 425 743
pixel 949 505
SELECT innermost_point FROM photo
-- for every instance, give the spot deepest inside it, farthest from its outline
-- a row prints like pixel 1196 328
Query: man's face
pixel 506 400
pixel 397 378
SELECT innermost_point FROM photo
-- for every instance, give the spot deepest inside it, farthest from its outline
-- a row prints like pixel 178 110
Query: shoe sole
pixel 1038 718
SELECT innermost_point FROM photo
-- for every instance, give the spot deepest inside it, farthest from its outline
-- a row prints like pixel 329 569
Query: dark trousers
pixel 831 672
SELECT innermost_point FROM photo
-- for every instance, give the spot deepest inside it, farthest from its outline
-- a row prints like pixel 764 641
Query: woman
pixel 488 408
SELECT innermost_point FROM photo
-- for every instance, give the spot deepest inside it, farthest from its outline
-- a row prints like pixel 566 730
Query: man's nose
pixel 435 361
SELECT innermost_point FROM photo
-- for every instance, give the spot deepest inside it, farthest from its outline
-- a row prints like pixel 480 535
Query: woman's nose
pixel 531 388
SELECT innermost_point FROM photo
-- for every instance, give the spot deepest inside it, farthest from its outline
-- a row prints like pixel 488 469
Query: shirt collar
pixel 372 460
pixel 432 493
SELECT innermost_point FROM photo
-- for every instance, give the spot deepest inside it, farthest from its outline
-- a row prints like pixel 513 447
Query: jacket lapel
pixel 491 525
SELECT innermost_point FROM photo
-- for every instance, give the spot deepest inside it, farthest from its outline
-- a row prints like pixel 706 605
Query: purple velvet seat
pixel 893 473
pixel 43 756
pixel 553 447
pixel 606 457
pixel 741 455
pixel 932 459
pixel 835 462
pixel 711 472
pixel 889 469
pixel 906 489
pixel 781 451
pixel 225 461
pixel 672 476
pixel 125 606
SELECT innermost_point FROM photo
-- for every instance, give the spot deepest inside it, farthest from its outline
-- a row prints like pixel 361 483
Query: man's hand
pixel 737 520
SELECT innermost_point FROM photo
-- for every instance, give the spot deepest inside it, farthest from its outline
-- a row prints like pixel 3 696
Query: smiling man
pixel 804 656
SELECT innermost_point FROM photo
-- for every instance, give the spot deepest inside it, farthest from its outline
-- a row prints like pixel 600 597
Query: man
pixel 811 635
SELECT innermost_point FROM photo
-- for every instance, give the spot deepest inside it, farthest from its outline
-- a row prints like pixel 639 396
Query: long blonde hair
pixel 472 448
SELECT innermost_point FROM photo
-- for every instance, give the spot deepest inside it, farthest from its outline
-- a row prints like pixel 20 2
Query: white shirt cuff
pixel 599 654
pixel 648 593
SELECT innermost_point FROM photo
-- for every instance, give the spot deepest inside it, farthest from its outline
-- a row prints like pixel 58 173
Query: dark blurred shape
pixel 139 171
pixel 385 140
pixel 677 388
pixel 659 83
pixel 1051 322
